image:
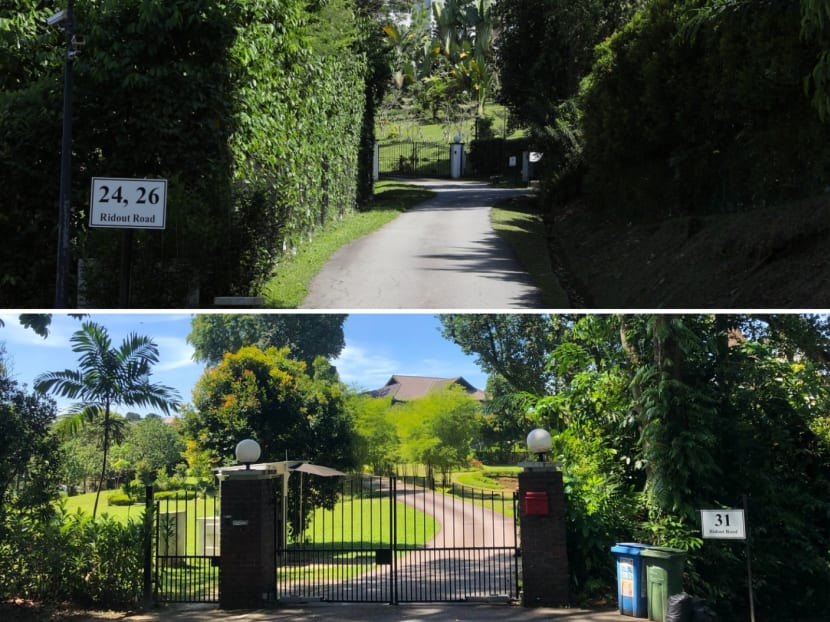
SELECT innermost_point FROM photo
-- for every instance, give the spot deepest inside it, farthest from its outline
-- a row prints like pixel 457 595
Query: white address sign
pixel 723 524
pixel 128 203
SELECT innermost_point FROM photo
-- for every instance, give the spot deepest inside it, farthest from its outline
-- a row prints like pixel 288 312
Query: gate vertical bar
pixel 157 544
pixel 148 545
pixel 517 543
pixel 393 537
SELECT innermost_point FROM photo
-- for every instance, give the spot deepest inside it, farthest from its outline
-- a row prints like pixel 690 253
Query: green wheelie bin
pixel 664 577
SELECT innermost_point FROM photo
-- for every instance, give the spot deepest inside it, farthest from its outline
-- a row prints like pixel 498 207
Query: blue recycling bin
pixel 632 595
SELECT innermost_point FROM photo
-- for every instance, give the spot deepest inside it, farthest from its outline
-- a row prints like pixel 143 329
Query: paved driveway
pixel 380 613
pixel 441 254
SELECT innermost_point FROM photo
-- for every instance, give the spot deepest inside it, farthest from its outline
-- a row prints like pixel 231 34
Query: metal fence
pixel 187 549
pixel 408 158
pixel 381 539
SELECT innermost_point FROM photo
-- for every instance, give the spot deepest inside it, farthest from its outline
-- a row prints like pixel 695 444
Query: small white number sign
pixel 723 524
pixel 128 203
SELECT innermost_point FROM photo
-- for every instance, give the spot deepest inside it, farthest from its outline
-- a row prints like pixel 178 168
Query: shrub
pixel 175 494
pixel 120 498
pixel 69 557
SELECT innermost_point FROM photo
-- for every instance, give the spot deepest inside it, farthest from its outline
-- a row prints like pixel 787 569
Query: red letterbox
pixel 536 503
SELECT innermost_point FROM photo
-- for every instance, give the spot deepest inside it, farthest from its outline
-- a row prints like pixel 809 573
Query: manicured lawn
pixel 394 128
pixel 365 523
pixel 289 285
pixel 84 503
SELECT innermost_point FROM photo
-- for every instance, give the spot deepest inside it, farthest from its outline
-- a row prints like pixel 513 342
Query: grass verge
pixel 518 221
pixel 289 285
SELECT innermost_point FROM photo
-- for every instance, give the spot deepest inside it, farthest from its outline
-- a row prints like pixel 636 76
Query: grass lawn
pixel 401 126
pixel 84 503
pixel 517 221
pixel 365 523
pixel 289 285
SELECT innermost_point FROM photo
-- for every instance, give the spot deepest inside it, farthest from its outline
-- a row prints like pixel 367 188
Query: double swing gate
pixel 410 158
pixel 357 538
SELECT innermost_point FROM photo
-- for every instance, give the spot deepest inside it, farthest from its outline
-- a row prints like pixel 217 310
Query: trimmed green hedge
pixel 255 123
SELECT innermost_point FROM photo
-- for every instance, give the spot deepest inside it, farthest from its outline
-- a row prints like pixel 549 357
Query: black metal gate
pixel 187 540
pixel 408 158
pixel 396 540
pixel 379 539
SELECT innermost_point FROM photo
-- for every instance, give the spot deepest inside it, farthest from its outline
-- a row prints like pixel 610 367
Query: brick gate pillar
pixel 247 568
pixel 545 574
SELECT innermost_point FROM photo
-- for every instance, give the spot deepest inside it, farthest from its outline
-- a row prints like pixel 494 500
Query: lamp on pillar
pixel 247 452
pixel 539 443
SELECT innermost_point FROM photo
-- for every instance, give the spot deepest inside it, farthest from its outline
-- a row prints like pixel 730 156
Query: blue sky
pixel 377 346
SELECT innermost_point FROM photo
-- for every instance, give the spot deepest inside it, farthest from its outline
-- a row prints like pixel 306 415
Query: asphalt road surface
pixel 441 254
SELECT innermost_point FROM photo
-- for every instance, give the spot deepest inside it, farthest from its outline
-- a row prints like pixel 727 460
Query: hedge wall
pixel 699 106
pixel 256 130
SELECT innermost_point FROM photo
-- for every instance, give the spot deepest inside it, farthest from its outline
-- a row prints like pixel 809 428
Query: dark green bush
pixel 695 108
pixel 120 499
pixel 176 494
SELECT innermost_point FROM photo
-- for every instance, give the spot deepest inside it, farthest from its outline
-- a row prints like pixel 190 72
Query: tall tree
pixel 277 400
pixel 306 335
pixel 438 429
pixel 29 456
pixel 109 376
pixel 516 347
pixel 547 46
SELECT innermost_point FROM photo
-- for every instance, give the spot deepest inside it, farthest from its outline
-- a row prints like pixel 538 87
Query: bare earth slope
pixel 765 258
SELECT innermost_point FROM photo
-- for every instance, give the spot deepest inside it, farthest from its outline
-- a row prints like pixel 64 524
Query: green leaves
pixel 245 107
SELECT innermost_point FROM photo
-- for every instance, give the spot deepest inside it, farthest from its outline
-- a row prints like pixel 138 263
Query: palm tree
pixel 108 376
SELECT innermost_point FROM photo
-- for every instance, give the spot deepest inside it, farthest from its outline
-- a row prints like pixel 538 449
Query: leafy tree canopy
pixel 108 376
pixel 28 454
pixel 289 409
pixel 306 335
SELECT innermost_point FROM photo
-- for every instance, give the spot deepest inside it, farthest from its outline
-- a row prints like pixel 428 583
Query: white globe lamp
pixel 247 451
pixel 539 442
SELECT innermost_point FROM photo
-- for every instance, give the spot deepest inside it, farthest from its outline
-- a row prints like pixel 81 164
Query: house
pixel 406 388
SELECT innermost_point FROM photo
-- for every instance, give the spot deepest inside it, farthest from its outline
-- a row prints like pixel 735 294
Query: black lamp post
pixel 65 21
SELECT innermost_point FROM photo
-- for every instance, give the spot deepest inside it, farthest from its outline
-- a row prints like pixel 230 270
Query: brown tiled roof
pixel 405 388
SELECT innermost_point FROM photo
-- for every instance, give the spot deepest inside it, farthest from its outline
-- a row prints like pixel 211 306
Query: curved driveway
pixel 441 254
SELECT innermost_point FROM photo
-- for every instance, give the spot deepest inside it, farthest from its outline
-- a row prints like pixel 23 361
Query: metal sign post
pixel 730 524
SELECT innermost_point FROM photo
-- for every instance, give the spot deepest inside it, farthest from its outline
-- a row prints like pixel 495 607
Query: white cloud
pixel 357 366
pixel 174 353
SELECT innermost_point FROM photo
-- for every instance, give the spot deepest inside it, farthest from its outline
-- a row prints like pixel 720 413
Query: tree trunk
pixel 104 462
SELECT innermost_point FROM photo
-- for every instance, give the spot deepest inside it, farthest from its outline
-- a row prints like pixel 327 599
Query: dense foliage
pixel 687 107
pixel 546 47
pixel 441 62
pixel 437 430
pixel 253 113
pixel 287 407
pixel 656 417
pixel 702 112
pixel 306 335
pixel 63 557
pixel 28 455
pixel 44 553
